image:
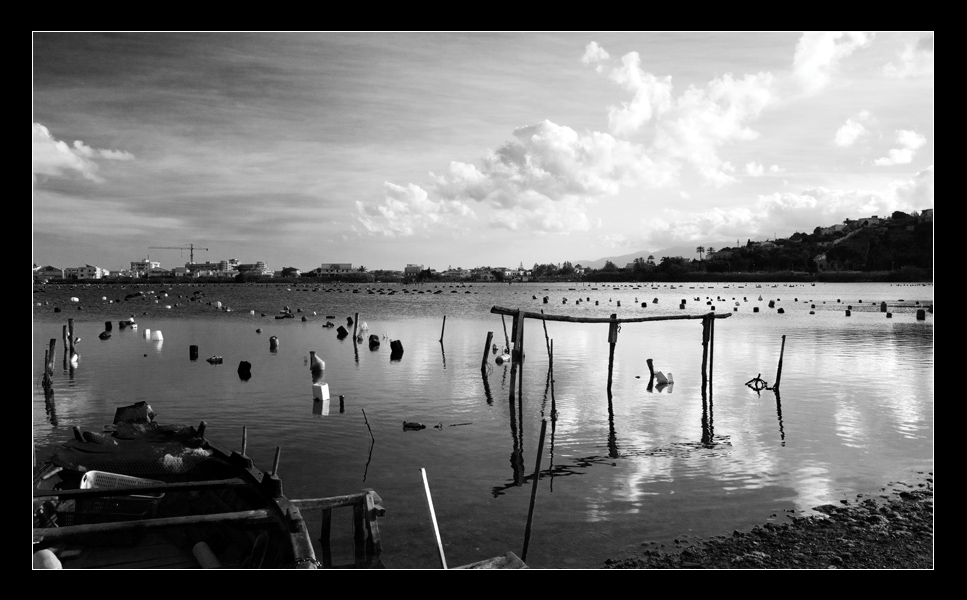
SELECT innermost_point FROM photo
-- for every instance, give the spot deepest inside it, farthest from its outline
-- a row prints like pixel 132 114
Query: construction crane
pixel 189 247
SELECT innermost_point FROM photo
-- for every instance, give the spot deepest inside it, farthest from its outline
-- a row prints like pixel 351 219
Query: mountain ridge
pixel 621 260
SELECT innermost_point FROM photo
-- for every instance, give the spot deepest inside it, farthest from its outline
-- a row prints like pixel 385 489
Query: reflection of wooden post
pixel 612 340
pixel 651 377
pixel 779 371
pixel 537 477
pixel 483 362
pixel 551 369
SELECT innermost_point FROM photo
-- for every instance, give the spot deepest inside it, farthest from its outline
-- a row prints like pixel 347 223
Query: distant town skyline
pixel 466 149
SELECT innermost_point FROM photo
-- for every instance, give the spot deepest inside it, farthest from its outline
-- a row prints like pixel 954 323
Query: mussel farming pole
pixel 66 347
pixel 444 328
pixel 70 333
pixel 711 351
pixel 517 354
pixel 705 336
pixel 537 478
pixel 355 325
pixel 612 340
pixel 506 339
pixel 483 362
pixel 778 372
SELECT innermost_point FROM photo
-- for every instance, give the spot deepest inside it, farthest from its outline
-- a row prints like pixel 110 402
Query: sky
pixel 466 149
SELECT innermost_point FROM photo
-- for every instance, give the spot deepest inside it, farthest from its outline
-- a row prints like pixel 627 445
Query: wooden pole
pixel 711 351
pixel 355 325
pixel 651 371
pixel 506 338
pixel 70 333
pixel 244 439
pixel 537 478
pixel 444 328
pixel 486 353
pixel 275 463
pixel 612 340
pixel 436 528
pixel 551 367
pixel 779 371
pixel 547 339
pixel 517 354
pixel 704 350
pixel 66 347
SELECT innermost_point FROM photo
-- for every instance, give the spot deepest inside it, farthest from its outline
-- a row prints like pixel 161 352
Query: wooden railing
pixel 367 507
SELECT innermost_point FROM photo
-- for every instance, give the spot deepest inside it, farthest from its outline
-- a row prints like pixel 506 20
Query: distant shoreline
pixel 907 275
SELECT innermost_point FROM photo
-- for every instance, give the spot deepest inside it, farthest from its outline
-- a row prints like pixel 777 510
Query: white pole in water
pixel 436 528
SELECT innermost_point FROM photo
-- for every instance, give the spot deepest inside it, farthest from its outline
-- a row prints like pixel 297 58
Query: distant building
pixel 42 274
pixel 335 268
pixel 85 272
pixel 412 270
pixel 141 267
pixel 257 268
pixel 210 266
pixel 926 215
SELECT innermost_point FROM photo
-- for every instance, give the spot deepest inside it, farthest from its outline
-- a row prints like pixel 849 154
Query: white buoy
pixel 156 336
pixel 147 334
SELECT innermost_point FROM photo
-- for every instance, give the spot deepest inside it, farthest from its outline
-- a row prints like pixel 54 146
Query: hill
pixel 624 259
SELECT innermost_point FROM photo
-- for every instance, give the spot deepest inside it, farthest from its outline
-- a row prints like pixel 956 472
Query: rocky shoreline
pixel 889 531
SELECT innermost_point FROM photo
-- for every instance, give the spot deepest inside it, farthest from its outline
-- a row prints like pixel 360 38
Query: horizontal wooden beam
pixel 247 516
pixel 499 310
pixel 305 504
pixel 142 490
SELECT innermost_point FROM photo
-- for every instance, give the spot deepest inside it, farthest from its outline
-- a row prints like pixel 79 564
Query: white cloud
pixel 594 53
pixel 818 55
pixel 703 121
pixel 54 158
pixel 652 96
pixel 850 132
pixel 408 209
pixel 754 169
pixel 917 193
pixel 553 162
pixel 776 169
pixel 909 142
pixel 914 60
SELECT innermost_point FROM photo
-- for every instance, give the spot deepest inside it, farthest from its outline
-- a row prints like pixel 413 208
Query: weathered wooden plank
pixel 499 310
pixel 142 490
pixel 304 504
pixel 247 516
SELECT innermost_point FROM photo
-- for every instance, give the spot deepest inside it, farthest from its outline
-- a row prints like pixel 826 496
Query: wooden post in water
pixel 70 334
pixel 779 371
pixel 483 362
pixel 551 367
pixel 517 354
pixel 705 333
pixel 537 478
pixel 355 325
pixel 66 346
pixel 711 349
pixel 275 463
pixel 506 339
pixel 244 439
pixel 444 328
pixel 612 340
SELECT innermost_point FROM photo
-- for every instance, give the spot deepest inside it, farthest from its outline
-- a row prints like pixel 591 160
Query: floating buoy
pixel 156 336
pixel 104 335
pixel 273 343
pixel 212 360
pixel 413 426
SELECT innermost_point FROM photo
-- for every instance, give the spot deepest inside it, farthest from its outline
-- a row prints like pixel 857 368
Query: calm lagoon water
pixel 855 411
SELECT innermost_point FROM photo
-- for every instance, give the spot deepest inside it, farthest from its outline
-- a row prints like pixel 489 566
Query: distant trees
pixel 700 250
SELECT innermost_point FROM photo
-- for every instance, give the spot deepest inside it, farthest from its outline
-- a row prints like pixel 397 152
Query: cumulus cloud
pixel 909 142
pixel 917 193
pixel 703 121
pixel 652 96
pixel 754 169
pixel 53 158
pixel 776 169
pixel 818 55
pixel 594 53
pixel 406 210
pixel 852 130
pixel 553 162
pixel 914 60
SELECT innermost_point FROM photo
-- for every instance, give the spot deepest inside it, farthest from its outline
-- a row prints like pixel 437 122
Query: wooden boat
pixel 141 495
